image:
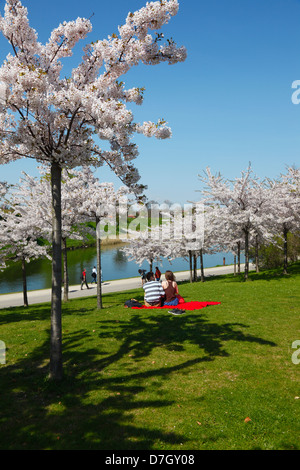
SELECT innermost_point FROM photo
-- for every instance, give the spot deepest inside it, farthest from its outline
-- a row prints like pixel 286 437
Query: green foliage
pixel 217 378
pixel 271 256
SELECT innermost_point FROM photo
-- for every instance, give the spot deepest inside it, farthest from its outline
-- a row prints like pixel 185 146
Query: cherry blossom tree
pixel 3 192
pixel 149 245
pixel 35 194
pixel 209 243
pixel 171 232
pixel 244 203
pixel 230 237
pixel 284 210
pixel 197 239
pixel 55 120
pixel 83 198
pixel 102 204
pixel 19 238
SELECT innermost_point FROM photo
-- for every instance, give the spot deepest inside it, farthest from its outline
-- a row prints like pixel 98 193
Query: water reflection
pixel 119 258
pixel 115 265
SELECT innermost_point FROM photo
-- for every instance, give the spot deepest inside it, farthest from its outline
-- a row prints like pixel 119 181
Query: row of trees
pixel 239 214
pixel 26 224
pixel 59 120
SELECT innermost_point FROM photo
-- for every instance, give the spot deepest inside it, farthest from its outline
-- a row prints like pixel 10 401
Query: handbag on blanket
pixel 132 303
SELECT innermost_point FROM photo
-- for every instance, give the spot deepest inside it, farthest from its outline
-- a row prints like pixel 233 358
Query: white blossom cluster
pixel 28 216
pixel 50 118
pixel 249 211
pixel 83 198
pixel 19 235
pixel 238 214
pixel 148 246
pixel 3 189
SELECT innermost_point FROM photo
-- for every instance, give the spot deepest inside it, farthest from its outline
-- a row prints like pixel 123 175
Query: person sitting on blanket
pixel 171 289
pixel 153 291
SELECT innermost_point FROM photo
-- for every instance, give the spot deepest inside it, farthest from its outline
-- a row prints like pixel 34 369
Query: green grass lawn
pixel 217 378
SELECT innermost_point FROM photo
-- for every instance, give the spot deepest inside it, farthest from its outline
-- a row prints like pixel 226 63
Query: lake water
pixel 115 265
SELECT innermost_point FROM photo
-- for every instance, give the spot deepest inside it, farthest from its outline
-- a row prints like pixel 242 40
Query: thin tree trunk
pixel 246 232
pixel 239 257
pixel 285 251
pixel 201 266
pixel 99 286
pixel 256 254
pixel 191 266
pixel 56 368
pixel 234 265
pixel 195 266
pixel 25 298
pixel 151 265
pixel 66 274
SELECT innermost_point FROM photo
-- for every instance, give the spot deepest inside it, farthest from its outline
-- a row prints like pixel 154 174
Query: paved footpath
pixel 44 295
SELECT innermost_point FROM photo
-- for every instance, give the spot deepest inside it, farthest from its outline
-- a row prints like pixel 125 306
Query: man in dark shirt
pixel 83 279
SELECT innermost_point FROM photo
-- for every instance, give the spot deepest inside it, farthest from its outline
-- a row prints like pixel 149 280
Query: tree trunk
pixel 151 265
pixel 56 368
pixel 195 267
pixel 239 257
pixel 234 265
pixel 256 254
pixel 201 266
pixel 191 266
pixel 99 286
pixel 66 274
pixel 285 250
pixel 246 232
pixel 25 298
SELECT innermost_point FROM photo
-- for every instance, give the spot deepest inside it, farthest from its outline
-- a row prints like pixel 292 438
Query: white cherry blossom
pixel 58 120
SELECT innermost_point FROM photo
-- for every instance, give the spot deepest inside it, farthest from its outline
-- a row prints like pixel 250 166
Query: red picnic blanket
pixel 183 305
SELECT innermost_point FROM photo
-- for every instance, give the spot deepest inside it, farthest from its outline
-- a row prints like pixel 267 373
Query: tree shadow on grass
pixel 16 314
pixel 141 335
pixel 40 312
pixel 109 382
pixel 276 273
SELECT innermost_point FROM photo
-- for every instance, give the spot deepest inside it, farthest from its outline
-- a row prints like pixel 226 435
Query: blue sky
pixel 228 104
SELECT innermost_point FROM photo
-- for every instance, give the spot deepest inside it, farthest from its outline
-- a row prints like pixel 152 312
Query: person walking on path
pixel 170 288
pixel 154 292
pixel 83 279
pixel 94 275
